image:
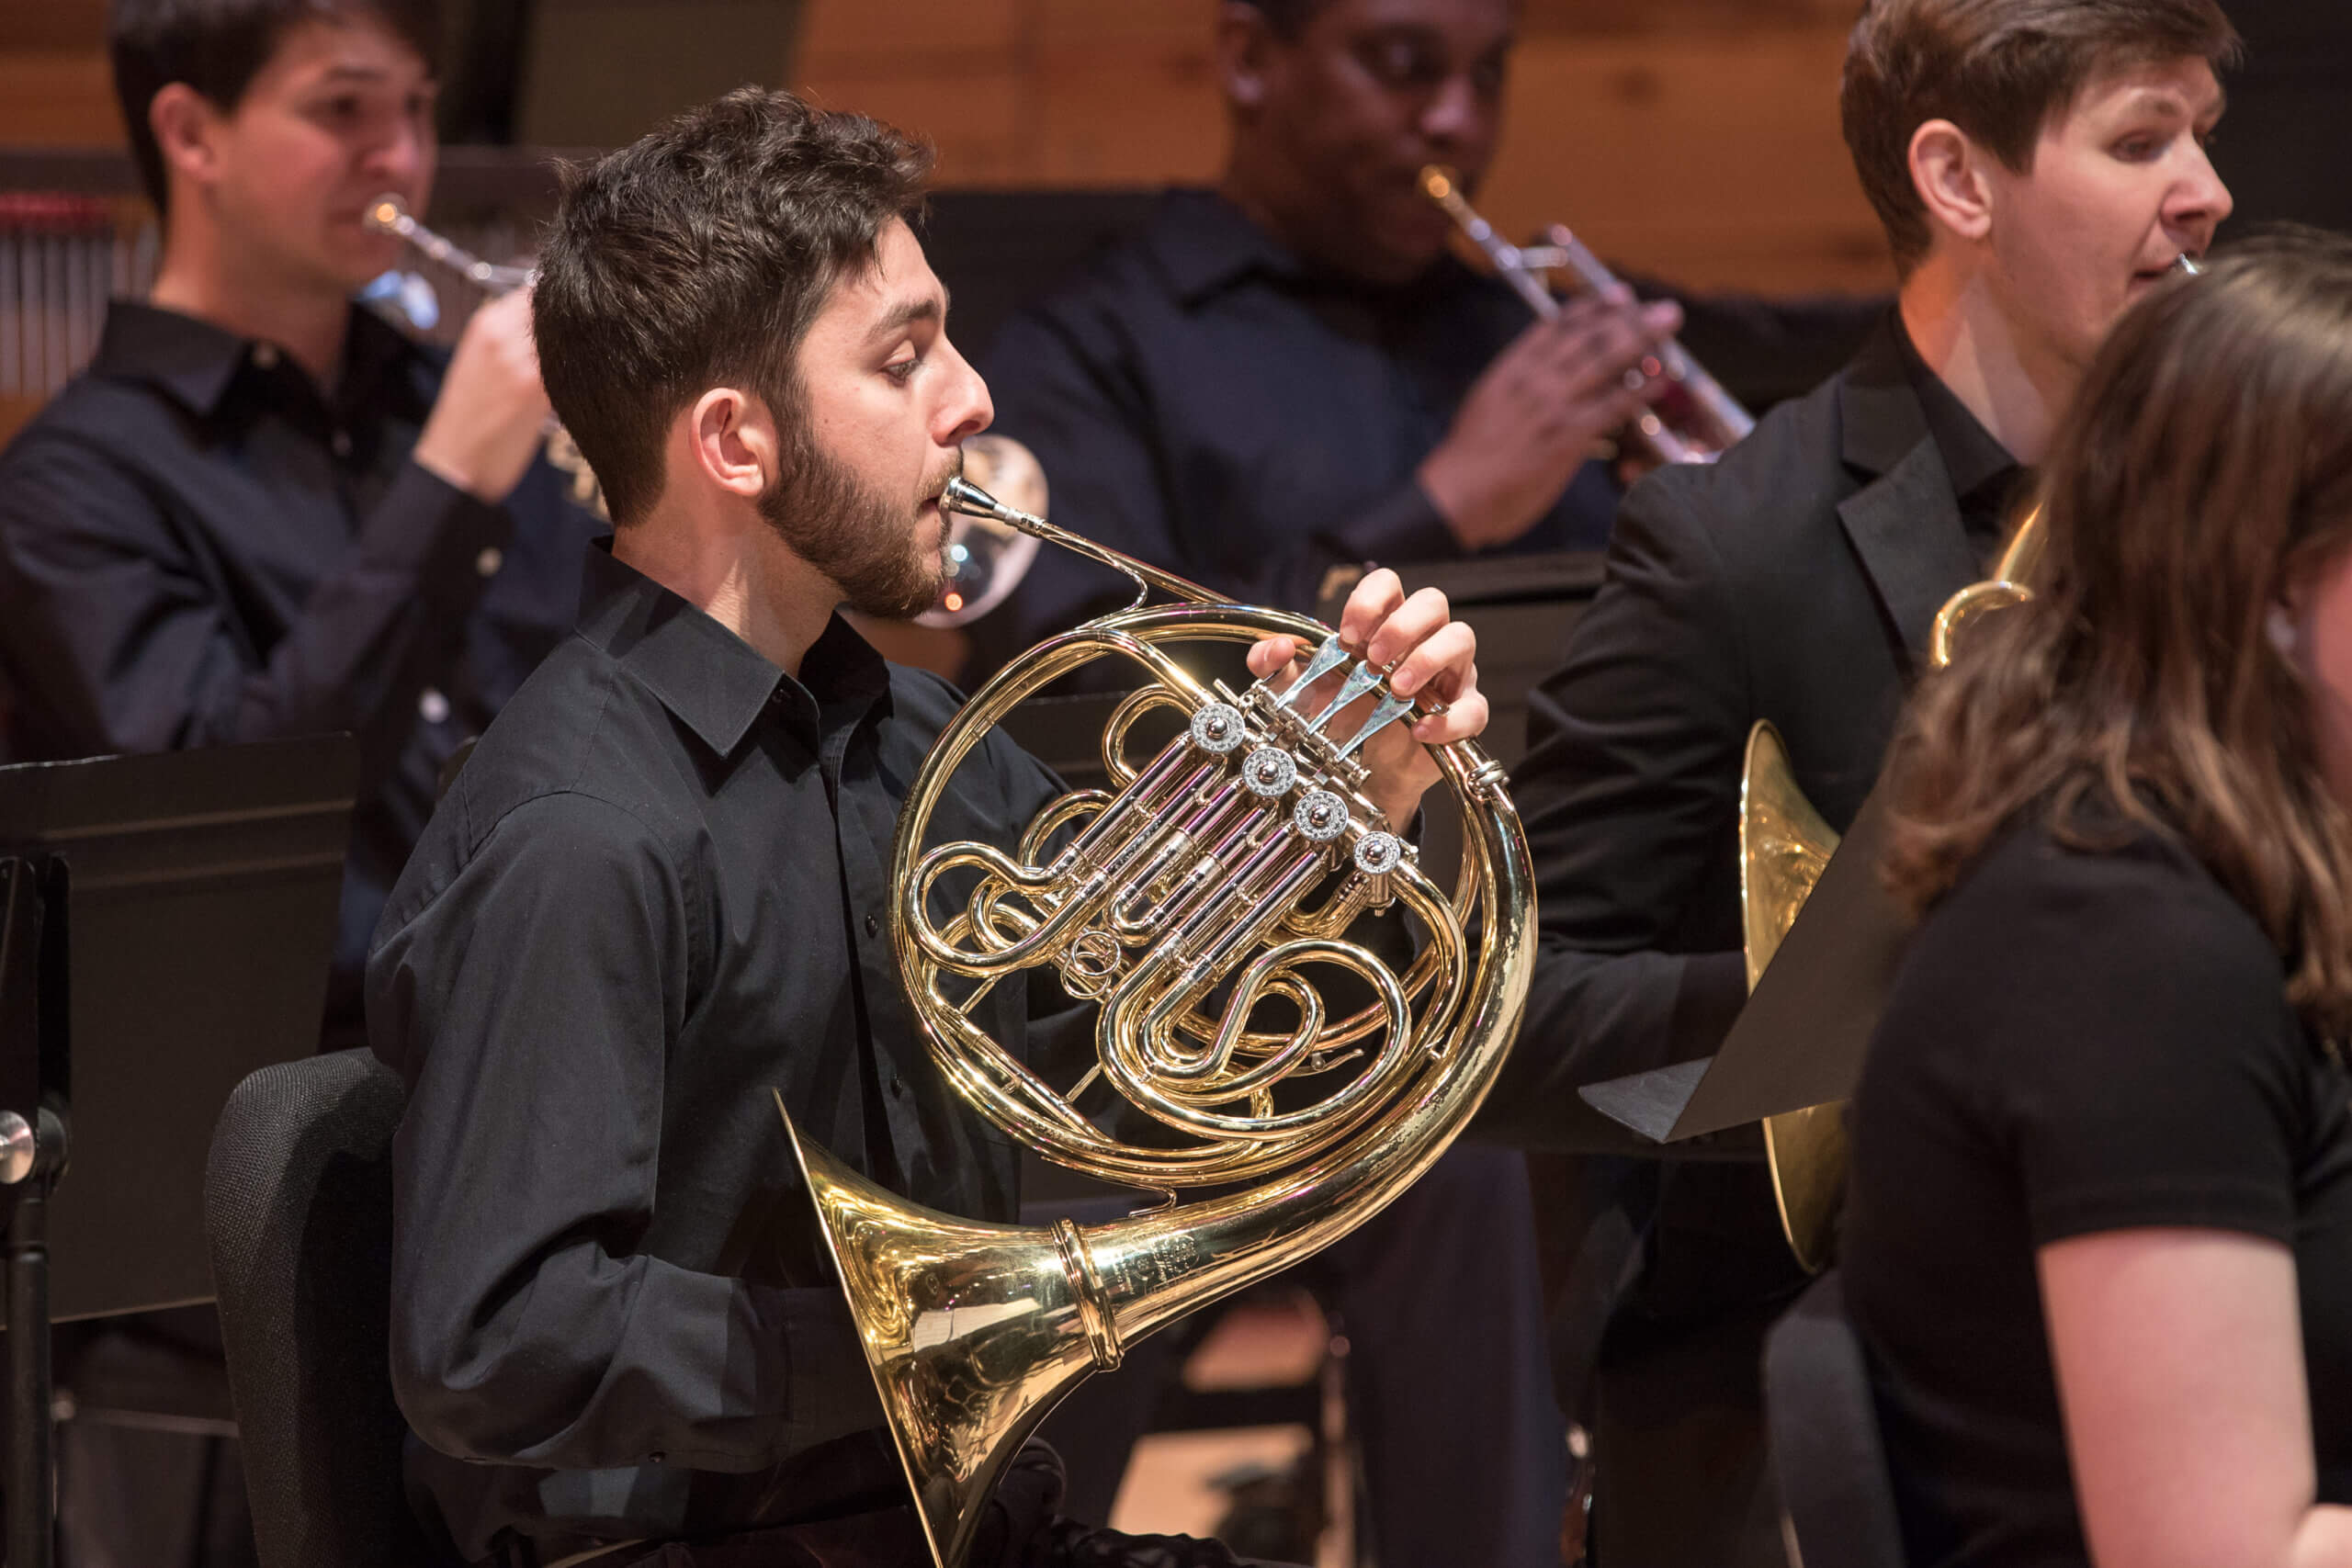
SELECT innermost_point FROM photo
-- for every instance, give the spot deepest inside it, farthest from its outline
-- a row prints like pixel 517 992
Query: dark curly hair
pixel 217 47
pixel 698 256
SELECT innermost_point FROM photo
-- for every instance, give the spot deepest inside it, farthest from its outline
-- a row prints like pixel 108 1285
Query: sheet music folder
pixel 201 919
pixel 1800 1039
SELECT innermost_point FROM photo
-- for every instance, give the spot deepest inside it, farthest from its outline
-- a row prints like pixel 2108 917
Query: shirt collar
pixel 1973 454
pixel 712 680
pixel 194 361
pixel 1203 243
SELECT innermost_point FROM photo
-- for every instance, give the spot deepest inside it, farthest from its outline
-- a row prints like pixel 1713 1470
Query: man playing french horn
pixel 658 899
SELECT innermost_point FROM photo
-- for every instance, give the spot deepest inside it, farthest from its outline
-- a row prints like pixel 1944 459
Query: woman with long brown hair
pixel 2100 1245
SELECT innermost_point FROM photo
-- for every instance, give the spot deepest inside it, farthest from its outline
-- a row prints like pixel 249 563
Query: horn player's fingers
pixel 1465 718
pixel 1438 658
pixel 1268 654
pixel 1369 607
pixel 1406 628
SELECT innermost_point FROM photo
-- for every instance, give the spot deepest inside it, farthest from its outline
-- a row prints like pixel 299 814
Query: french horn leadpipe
pixel 1714 419
pixel 1223 872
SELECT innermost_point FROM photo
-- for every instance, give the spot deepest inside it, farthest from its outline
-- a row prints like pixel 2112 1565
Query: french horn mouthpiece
pixel 962 495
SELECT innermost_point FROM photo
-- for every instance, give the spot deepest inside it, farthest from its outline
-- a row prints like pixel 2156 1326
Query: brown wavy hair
pixel 2204 470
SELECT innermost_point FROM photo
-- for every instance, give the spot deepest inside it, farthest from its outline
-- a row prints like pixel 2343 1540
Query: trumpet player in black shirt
pixel 1291 371
pixel 263 511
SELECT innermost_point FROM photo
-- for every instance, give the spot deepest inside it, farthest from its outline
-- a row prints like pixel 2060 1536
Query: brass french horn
pixel 1223 873
pixel 1784 846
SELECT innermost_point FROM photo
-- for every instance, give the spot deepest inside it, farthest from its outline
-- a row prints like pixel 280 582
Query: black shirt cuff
pixel 1405 526
pixel 429 527
pixel 1706 1004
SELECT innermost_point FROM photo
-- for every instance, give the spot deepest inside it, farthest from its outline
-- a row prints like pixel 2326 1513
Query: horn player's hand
pixel 1435 658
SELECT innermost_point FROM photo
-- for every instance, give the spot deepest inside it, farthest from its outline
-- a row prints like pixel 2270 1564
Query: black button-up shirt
pixel 659 891
pixel 1203 400
pixel 1988 483
pixel 198 546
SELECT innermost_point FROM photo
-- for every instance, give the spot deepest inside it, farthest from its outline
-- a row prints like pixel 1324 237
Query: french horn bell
pixel 1196 904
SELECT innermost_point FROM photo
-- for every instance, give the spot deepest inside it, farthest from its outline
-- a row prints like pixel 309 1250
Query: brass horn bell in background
pixel 1784 846
pixel 1224 872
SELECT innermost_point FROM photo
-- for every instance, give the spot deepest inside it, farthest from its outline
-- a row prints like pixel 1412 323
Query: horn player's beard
pixel 864 541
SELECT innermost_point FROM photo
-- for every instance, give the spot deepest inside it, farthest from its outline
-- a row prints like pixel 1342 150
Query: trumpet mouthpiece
pixel 2189 265
pixel 387 214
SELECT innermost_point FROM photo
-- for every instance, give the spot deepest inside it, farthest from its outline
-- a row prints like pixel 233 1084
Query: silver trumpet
pixel 1696 421
pixel 388 214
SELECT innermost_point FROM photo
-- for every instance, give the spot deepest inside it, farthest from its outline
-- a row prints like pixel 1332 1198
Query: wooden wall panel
pixel 1696 139
pixel 1713 159
pixel 53 24
pixel 1693 138
pixel 58 98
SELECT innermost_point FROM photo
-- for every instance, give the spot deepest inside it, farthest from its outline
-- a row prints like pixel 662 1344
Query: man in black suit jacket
pixel 1795 582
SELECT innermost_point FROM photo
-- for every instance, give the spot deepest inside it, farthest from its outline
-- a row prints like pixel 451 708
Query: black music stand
pixel 165 926
pixel 1800 1039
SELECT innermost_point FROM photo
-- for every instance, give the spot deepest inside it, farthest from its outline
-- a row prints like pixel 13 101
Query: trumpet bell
pixel 1784 846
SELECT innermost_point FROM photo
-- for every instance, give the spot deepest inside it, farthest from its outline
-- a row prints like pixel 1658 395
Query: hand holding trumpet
pixel 493 412
pixel 1539 411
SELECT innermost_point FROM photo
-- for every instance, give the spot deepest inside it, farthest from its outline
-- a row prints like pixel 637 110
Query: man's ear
pixel 1949 171
pixel 732 438
pixel 185 124
pixel 1245 47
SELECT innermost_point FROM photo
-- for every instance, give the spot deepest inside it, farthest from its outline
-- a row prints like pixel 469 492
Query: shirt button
pixel 490 560
pixel 897 1089
pixel 340 442
pixel 432 706
pixel 656 1457
pixel 266 357
pixel 872 926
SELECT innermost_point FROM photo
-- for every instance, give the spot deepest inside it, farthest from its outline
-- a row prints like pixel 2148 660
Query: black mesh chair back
pixel 1826 1451
pixel 298 1210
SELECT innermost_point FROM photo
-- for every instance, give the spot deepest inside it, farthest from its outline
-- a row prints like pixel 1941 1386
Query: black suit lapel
pixel 1904 522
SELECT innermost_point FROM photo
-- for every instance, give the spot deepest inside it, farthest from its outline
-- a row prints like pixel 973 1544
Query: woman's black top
pixel 2077 1041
